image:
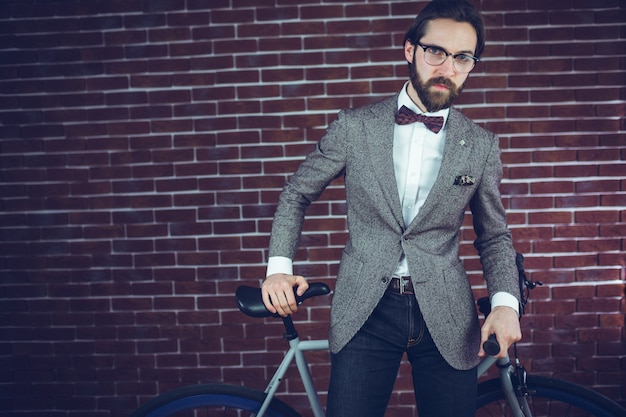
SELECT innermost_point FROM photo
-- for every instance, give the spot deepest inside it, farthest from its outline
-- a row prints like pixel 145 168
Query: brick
pixel 554 187
pixel 573 292
pixel 596 275
pixel 258 60
pixel 612 320
pixel 527 111
pixel 589 64
pixel 534 202
pixel 575 80
pixel 575 170
pixel 592 32
pixel 576 201
pixel 570 261
pixel 578 320
pixel 555 246
pixel 576 231
pixel 591 335
pixel 600 245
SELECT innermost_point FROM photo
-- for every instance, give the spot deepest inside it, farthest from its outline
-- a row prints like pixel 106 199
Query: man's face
pixel 434 88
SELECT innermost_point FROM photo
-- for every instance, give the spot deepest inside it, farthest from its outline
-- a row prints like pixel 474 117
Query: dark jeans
pixel 364 372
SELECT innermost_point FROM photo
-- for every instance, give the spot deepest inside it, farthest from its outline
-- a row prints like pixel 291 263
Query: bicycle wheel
pixel 548 398
pixel 209 400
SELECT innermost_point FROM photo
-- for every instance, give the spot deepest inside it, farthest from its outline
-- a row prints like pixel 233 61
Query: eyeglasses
pixel 433 55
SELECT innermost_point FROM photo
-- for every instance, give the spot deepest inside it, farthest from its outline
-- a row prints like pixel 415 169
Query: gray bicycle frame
pixel 519 405
pixel 297 348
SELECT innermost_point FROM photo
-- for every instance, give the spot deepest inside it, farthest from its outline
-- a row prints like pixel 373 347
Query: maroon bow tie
pixel 406 116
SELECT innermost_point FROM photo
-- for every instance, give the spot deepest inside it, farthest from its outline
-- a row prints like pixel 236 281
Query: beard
pixel 433 100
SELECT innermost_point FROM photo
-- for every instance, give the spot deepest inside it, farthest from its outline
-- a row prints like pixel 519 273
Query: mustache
pixel 442 81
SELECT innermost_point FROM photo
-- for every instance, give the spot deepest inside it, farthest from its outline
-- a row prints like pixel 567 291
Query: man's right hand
pixel 277 291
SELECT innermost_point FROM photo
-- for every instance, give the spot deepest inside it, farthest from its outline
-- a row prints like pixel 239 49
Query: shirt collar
pixel 405 100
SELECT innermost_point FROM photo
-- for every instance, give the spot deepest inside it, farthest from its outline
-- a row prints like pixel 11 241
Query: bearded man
pixel 412 164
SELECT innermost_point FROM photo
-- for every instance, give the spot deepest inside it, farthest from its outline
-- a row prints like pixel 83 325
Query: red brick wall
pixel 144 144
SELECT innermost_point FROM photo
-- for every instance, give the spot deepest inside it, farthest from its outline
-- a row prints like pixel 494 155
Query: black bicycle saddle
pixel 250 301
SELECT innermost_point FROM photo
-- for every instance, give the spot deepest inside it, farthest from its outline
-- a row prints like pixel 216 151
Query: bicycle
pixel 514 393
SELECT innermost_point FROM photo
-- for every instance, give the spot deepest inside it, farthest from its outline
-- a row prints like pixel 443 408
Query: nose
pixel 447 67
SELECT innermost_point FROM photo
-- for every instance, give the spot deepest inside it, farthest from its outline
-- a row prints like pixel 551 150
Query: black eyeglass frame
pixel 454 56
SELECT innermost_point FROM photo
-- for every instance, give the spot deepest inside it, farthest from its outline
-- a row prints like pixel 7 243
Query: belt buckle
pixel 402 285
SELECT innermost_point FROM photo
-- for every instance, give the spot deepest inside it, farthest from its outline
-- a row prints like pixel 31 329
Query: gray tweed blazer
pixel 358 145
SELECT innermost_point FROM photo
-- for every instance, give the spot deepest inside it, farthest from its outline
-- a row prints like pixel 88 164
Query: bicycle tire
pixel 550 398
pixel 210 400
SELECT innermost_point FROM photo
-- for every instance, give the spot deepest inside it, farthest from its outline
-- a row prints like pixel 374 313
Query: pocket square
pixel 464 180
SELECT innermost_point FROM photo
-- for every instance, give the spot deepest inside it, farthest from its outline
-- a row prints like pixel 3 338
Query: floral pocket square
pixel 464 180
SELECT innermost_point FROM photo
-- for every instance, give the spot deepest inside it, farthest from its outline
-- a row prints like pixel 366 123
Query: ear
pixel 409 50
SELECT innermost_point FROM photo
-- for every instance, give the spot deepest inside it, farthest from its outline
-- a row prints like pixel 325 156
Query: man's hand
pixel 504 323
pixel 277 291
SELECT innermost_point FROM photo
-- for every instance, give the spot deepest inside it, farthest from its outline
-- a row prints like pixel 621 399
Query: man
pixel 401 287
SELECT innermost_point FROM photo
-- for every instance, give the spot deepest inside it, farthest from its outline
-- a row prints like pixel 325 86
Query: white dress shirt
pixel 417 156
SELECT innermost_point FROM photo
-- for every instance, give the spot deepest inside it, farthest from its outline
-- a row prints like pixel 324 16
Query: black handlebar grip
pixel 491 346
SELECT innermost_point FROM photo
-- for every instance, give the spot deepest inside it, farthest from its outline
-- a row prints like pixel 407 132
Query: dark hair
pixel 458 10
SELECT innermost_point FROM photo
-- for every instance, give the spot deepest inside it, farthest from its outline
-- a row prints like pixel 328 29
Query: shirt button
pixel 384 280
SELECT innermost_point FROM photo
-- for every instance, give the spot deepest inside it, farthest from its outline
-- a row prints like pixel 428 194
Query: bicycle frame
pixel 249 301
pixel 296 350
pixel 505 368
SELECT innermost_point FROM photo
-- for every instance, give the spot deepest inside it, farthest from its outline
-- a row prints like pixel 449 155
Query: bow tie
pixel 406 116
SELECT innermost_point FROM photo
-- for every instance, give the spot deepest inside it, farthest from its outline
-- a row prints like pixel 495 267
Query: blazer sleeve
pixel 325 163
pixel 493 238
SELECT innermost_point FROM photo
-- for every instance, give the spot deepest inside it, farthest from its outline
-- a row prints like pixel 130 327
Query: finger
pixel 288 301
pixel 481 351
pixel 302 285
pixel 484 334
pixel 485 331
pixel 267 301
pixel 291 304
pixel 281 305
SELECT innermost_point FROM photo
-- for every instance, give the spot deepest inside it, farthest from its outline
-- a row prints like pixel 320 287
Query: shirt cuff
pixel 279 265
pixel 504 299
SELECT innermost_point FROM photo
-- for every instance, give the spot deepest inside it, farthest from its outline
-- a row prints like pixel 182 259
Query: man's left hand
pixel 504 323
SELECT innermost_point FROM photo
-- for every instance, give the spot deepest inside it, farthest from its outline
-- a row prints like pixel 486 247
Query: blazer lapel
pixel 379 138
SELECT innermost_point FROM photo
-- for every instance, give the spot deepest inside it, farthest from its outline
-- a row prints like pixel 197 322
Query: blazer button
pixel 384 280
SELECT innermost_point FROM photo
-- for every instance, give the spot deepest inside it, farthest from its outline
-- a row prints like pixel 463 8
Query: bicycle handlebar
pixel 491 345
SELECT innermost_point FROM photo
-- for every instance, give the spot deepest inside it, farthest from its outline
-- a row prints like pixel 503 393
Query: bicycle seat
pixel 250 301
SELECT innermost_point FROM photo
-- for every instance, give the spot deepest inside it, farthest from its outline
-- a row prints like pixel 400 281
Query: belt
pixel 401 285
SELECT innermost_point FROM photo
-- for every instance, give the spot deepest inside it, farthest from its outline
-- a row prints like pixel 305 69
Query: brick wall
pixel 144 144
